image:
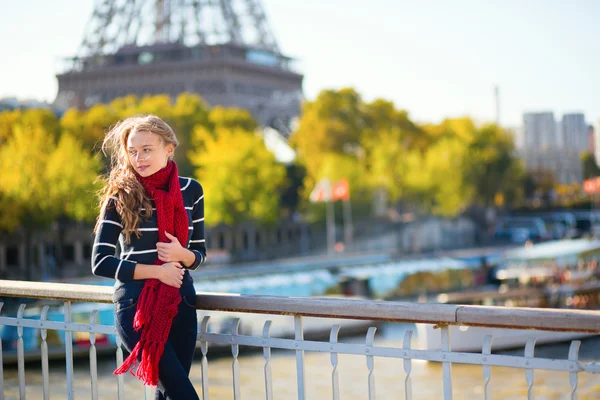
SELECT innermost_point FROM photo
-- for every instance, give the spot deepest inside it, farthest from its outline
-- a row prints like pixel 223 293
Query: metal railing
pixel 442 315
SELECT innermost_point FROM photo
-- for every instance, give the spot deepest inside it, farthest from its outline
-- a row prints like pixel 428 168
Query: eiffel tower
pixel 222 50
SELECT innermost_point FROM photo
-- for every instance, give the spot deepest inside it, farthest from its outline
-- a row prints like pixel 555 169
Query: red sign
pixel 591 185
pixel 341 190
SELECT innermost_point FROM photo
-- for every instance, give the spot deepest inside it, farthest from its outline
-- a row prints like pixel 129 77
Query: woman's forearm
pixel 189 258
pixel 146 271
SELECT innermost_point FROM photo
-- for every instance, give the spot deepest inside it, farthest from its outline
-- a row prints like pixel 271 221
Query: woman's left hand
pixel 170 252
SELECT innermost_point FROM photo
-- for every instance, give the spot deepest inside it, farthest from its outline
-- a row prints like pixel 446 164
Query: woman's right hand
pixel 171 274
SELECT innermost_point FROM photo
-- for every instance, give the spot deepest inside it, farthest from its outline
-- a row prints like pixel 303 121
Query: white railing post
pixel 333 339
pixel 235 364
pixel 487 370
pixel 529 349
pixel 20 353
pixel 574 356
pixel 204 350
pixel 407 365
pixel 93 358
pixel 69 350
pixel 446 365
pixel 299 337
pixel 1 363
pixel 370 361
pixel 45 371
pixel 120 377
pixel 149 392
pixel 267 355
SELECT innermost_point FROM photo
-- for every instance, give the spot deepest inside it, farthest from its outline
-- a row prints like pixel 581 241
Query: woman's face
pixel 146 152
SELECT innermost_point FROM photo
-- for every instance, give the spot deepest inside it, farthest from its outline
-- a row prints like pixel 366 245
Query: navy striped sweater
pixel 109 263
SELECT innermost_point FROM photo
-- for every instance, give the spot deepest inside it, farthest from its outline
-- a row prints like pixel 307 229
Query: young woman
pixel 158 219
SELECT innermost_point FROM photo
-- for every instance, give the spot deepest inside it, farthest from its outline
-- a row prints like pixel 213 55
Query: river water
pixel 467 380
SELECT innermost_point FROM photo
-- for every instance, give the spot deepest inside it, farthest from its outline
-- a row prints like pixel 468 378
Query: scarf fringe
pixel 147 369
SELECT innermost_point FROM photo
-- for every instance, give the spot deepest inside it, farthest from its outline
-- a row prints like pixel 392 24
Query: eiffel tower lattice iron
pixel 223 50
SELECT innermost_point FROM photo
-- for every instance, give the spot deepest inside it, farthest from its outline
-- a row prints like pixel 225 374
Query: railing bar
pixel 235 365
pixel 574 356
pixel 204 350
pixel 69 351
pixel 335 384
pixel 299 338
pixel 21 355
pixel 93 358
pixel 507 317
pixel 57 325
pixel 1 363
pixel 1 368
pixel 45 369
pixel 370 362
pixel 487 370
pixel 120 377
pixel 407 365
pixel 392 352
pixel 267 355
pixel 446 365
pixel 204 367
pixel 148 392
pixel 529 354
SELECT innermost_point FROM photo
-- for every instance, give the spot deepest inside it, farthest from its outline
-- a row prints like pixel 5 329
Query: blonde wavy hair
pixel 121 181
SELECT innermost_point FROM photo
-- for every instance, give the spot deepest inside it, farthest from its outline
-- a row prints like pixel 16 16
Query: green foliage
pixel 241 178
pixel 440 168
pixel 331 124
pixel 231 118
pixel 89 126
pixel 48 167
pixel 71 174
pixel 491 165
pixel 31 118
pixel 42 180
pixel 590 168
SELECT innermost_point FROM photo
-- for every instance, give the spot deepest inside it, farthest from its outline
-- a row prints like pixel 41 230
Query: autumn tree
pixel 590 167
pixel 30 119
pixel 240 176
pixel 491 164
pixel 43 180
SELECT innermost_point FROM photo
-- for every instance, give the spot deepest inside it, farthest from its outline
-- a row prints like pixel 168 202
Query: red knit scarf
pixel 158 303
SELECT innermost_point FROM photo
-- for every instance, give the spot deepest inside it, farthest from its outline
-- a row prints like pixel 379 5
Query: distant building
pixel 597 142
pixel 545 145
pixel 540 130
pixel 225 51
pixel 591 140
pixel 574 132
pixel 227 75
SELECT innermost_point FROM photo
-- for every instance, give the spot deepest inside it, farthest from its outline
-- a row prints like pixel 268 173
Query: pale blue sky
pixel 435 59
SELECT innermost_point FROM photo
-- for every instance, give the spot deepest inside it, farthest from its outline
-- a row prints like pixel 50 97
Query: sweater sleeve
pixel 104 260
pixel 197 243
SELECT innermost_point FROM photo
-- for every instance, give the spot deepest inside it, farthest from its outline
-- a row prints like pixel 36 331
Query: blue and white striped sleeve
pixel 197 243
pixel 104 261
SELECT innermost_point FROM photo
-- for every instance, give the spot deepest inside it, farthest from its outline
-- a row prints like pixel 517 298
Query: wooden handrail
pixel 439 314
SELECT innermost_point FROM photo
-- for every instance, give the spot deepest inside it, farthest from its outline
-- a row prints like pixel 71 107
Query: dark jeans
pixel 176 361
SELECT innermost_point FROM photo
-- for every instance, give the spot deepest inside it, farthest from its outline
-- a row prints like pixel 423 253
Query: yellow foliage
pixel 240 177
pixel 70 173
pixel 232 118
pixel 44 180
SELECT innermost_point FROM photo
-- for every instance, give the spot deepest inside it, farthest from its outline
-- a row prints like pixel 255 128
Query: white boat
pixel 470 339
pixel 548 275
